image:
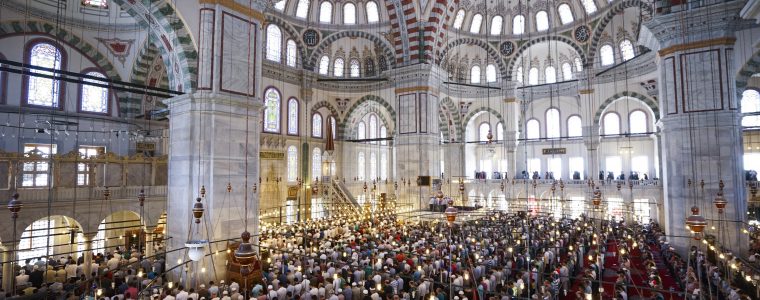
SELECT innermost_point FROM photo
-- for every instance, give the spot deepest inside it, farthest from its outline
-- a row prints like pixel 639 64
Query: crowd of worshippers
pixel 498 256
pixel 68 278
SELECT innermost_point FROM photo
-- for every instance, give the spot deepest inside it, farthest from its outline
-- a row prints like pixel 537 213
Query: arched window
pixel 316 125
pixel 293 116
pixel 551 74
pixel 332 126
pixel 272 110
pixel 574 126
pixel 94 98
pixel 383 134
pixel 290 53
pixel 532 130
pixel 475 74
pixel 518 24
pixel 280 5
pixel 611 123
pixel 43 91
pixel 302 9
pixel 552 123
pixel 373 127
pixel 372 165
pixel 626 50
pixel 360 166
pixel 750 104
pixel 490 73
pixel 477 20
pixel 274 43
pixel 383 166
pixel 567 71
pixel 637 122
pixel 483 131
pixel 369 66
pixel 533 76
pixel 500 131
pixel 316 163
pixel 578 64
pixel 519 74
pixel 292 163
pixel 496 23
pixel 542 21
pixel 607 55
pixel 589 6
pixel 354 68
pixel 565 14
pixel 382 63
pixel 361 131
pixel 324 65
pixel 349 13
pixel 325 12
pixel 373 16
pixel 459 19
pixel 338 67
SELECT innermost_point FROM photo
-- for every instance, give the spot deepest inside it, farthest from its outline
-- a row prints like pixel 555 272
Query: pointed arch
pixel 384 45
pixel 512 62
pixel 368 103
pixel 475 111
pixel 616 9
pixel 492 52
pixel 449 120
pixel 646 100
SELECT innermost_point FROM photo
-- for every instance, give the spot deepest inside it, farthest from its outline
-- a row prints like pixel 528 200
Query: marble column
pixel 8 273
pixel 87 268
pixel 701 136
pixel 214 136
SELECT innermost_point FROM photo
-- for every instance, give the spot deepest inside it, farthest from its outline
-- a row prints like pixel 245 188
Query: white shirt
pixel 182 295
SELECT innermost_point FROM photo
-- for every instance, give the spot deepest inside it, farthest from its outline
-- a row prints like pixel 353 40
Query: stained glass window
pixel 518 24
pixel 274 43
pixel 94 98
pixel 272 110
pixel 349 13
pixel 383 134
pixel 44 91
pixel 637 121
pixel 325 12
pixel 372 165
pixel 95 3
pixel 500 131
pixel 316 163
pixel 490 73
pixel 302 9
pixel 316 125
pixel 519 74
pixel 496 23
pixel 332 126
pixel 383 166
pixel 292 163
pixel 459 19
pixel 533 129
pixel 476 21
pixel 589 6
pixel 551 74
pixel 567 71
pixel 293 116
pixel 626 49
pixel 324 65
pixel 338 67
pixel 373 127
pixel 578 64
pixel 372 13
pixel 574 126
pixel 290 53
pixel 552 123
pixel 533 76
pixel 542 21
pixel 565 14
pixel 611 124
pixel 369 66
pixel 607 55
pixel 361 131
pixel 475 74
pixel 360 166
pixel 354 68
pixel 382 63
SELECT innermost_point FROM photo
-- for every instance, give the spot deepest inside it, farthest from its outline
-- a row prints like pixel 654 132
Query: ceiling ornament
pixel 119 48
pixel 582 34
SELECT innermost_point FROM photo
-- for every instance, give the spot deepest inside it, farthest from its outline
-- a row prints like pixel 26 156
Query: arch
pixel 177 47
pixel 448 111
pixel 70 39
pixel 141 74
pixel 362 107
pixel 319 49
pixel 490 50
pixel 558 38
pixel 646 100
pixel 474 112
pixel 617 8
pixel 328 106
pixel 751 67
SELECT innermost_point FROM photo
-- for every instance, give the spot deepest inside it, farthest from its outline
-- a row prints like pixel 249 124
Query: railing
pixel 663 7
pixel 342 191
pixel 61 194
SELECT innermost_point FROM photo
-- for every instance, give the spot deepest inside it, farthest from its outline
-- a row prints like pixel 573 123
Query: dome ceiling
pixel 109 17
